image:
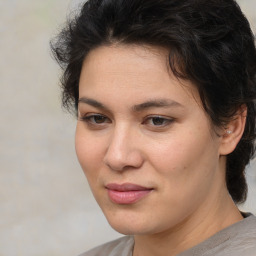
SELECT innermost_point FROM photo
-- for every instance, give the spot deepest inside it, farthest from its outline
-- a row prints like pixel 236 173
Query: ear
pixel 233 132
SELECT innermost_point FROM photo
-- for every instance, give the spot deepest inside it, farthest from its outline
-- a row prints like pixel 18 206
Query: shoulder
pixel 237 239
pixel 119 247
pixel 244 241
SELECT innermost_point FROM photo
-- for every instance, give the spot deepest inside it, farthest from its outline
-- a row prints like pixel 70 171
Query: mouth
pixel 126 193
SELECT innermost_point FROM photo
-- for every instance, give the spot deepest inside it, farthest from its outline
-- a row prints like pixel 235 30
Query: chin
pixel 132 224
pixel 129 229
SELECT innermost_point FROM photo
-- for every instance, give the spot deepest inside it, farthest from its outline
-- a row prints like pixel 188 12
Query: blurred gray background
pixel 46 207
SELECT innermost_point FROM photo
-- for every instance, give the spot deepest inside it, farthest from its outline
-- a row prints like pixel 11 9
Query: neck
pixel 212 217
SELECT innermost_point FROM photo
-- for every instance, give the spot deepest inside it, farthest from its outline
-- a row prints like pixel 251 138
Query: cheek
pixel 88 153
pixel 170 156
pixel 185 162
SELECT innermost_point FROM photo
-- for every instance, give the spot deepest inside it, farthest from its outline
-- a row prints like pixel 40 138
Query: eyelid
pixel 167 120
pixel 86 118
pixel 148 120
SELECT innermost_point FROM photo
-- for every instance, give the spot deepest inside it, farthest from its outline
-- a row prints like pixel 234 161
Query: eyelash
pixel 89 120
pixel 165 120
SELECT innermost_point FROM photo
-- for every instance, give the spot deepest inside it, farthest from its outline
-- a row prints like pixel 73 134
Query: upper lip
pixel 126 187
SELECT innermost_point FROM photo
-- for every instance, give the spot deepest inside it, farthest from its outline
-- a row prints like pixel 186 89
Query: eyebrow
pixel 92 102
pixel 154 103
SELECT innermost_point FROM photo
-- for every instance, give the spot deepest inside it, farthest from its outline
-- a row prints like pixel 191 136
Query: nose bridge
pixel 123 149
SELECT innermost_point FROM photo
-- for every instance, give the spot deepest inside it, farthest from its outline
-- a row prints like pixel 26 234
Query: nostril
pixel 123 151
pixel 123 160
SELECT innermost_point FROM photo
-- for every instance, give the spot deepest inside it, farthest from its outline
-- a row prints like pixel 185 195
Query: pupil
pixel 99 119
pixel 157 121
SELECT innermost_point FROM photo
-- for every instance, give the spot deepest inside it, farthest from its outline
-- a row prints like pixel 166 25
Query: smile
pixel 126 193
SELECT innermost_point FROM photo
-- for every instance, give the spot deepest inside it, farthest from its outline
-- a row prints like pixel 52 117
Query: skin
pixel 171 149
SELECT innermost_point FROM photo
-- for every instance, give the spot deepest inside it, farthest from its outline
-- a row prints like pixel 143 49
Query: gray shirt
pixel 235 240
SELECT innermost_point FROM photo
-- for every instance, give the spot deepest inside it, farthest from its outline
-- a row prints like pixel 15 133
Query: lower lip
pixel 127 197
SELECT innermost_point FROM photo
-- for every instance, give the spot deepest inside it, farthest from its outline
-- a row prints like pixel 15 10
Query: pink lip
pixel 126 193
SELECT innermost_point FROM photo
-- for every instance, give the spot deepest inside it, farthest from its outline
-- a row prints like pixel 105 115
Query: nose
pixel 123 151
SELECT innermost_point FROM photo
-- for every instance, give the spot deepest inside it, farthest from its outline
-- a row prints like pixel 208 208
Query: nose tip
pixel 120 161
pixel 122 154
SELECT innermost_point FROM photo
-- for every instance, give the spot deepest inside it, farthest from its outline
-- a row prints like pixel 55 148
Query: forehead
pixel 134 72
pixel 127 59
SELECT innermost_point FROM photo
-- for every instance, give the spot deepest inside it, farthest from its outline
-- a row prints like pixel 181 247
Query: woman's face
pixel 144 141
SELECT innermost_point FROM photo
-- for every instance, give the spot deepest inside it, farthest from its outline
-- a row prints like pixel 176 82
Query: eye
pixel 158 121
pixel 95 119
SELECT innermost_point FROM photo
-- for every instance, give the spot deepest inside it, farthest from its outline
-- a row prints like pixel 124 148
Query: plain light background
pixel 46 207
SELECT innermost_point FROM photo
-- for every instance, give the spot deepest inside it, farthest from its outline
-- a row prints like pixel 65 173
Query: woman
pixel 164 92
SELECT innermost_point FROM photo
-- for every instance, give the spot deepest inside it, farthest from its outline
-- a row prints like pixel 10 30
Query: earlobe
pixel 233 131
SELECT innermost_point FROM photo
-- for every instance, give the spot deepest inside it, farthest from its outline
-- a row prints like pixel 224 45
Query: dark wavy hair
pixel 209 42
